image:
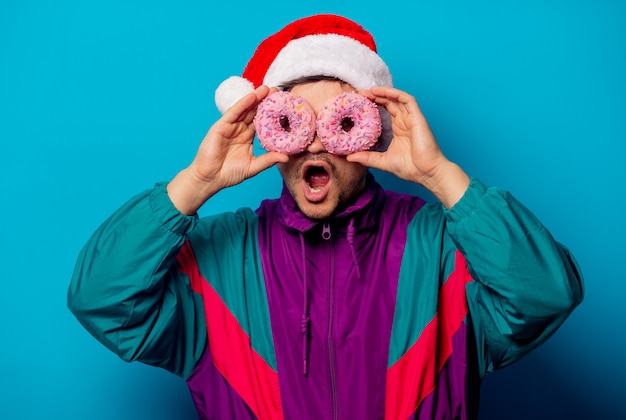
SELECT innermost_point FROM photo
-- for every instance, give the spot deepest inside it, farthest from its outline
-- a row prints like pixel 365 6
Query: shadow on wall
pixel 533 389
pixel 152 393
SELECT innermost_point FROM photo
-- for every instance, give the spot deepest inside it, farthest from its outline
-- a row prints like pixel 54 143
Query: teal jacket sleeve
pixel 128 293
pixel 525 283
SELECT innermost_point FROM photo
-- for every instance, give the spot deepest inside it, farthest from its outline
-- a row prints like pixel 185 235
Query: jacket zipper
pixel 326 234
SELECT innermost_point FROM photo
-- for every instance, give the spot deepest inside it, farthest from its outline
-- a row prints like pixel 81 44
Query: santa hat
pixel 320 45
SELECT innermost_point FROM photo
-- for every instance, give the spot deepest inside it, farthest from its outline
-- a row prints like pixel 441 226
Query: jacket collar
pixel 291 216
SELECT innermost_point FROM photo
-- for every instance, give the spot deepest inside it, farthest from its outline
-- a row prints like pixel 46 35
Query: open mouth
pixel 316 178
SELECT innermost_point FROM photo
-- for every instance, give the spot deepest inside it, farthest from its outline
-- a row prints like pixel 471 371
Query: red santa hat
pixel 320 45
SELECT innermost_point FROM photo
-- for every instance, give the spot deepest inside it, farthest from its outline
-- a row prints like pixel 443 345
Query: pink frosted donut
pixel 284 123
pixel 349 123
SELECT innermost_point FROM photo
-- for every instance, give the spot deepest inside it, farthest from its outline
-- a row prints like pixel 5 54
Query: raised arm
pixel 413 154
pixel 224 158
pixel 526 283
pixel 126 288
pixel 127 292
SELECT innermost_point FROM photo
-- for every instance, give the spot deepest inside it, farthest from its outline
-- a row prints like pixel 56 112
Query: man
pixel 339 299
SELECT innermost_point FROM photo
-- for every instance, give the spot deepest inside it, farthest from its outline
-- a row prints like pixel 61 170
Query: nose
pixel 316 146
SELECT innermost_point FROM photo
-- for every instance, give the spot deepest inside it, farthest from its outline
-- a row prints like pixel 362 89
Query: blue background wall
pixel 100 99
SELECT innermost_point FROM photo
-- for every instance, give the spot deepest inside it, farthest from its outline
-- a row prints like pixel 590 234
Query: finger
pixel 251 112
pixel 367 93
pixel 393 100
pixel 374 160
pixel 376 99
pixel 380 100
pixel 241 109
pixel 248 117
pixel 266 161
pixel 394 95
pixel 399 103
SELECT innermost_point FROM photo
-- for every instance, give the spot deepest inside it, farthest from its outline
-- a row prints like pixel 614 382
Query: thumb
pixel 374 160
pixel 266 161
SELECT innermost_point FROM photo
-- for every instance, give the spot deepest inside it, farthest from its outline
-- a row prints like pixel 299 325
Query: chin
pixel 317 211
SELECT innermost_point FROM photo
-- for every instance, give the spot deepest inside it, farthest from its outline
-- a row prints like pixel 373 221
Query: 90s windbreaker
pixel 393 309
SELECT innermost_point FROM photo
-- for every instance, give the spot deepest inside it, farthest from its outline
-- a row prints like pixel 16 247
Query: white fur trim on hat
pixel 328 55
pixel 230 91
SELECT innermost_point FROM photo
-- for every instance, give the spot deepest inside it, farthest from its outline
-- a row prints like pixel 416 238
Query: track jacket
pixel 393 309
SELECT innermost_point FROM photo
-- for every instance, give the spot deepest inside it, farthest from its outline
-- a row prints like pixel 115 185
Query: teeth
pixel 314 190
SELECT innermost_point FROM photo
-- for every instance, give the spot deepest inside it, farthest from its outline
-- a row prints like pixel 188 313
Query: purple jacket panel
pixel 458 384
pixel 347 286
pixel 213 395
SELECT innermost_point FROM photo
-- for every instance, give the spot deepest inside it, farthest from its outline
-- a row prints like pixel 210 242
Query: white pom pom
pixel 230 91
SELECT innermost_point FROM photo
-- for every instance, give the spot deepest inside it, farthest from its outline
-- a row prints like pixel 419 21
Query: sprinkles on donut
pixel 349 123
pixel 284 123
pixel 321 45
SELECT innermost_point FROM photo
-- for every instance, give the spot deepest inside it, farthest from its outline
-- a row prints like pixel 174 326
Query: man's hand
pixel 225 157
pixel 413 154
